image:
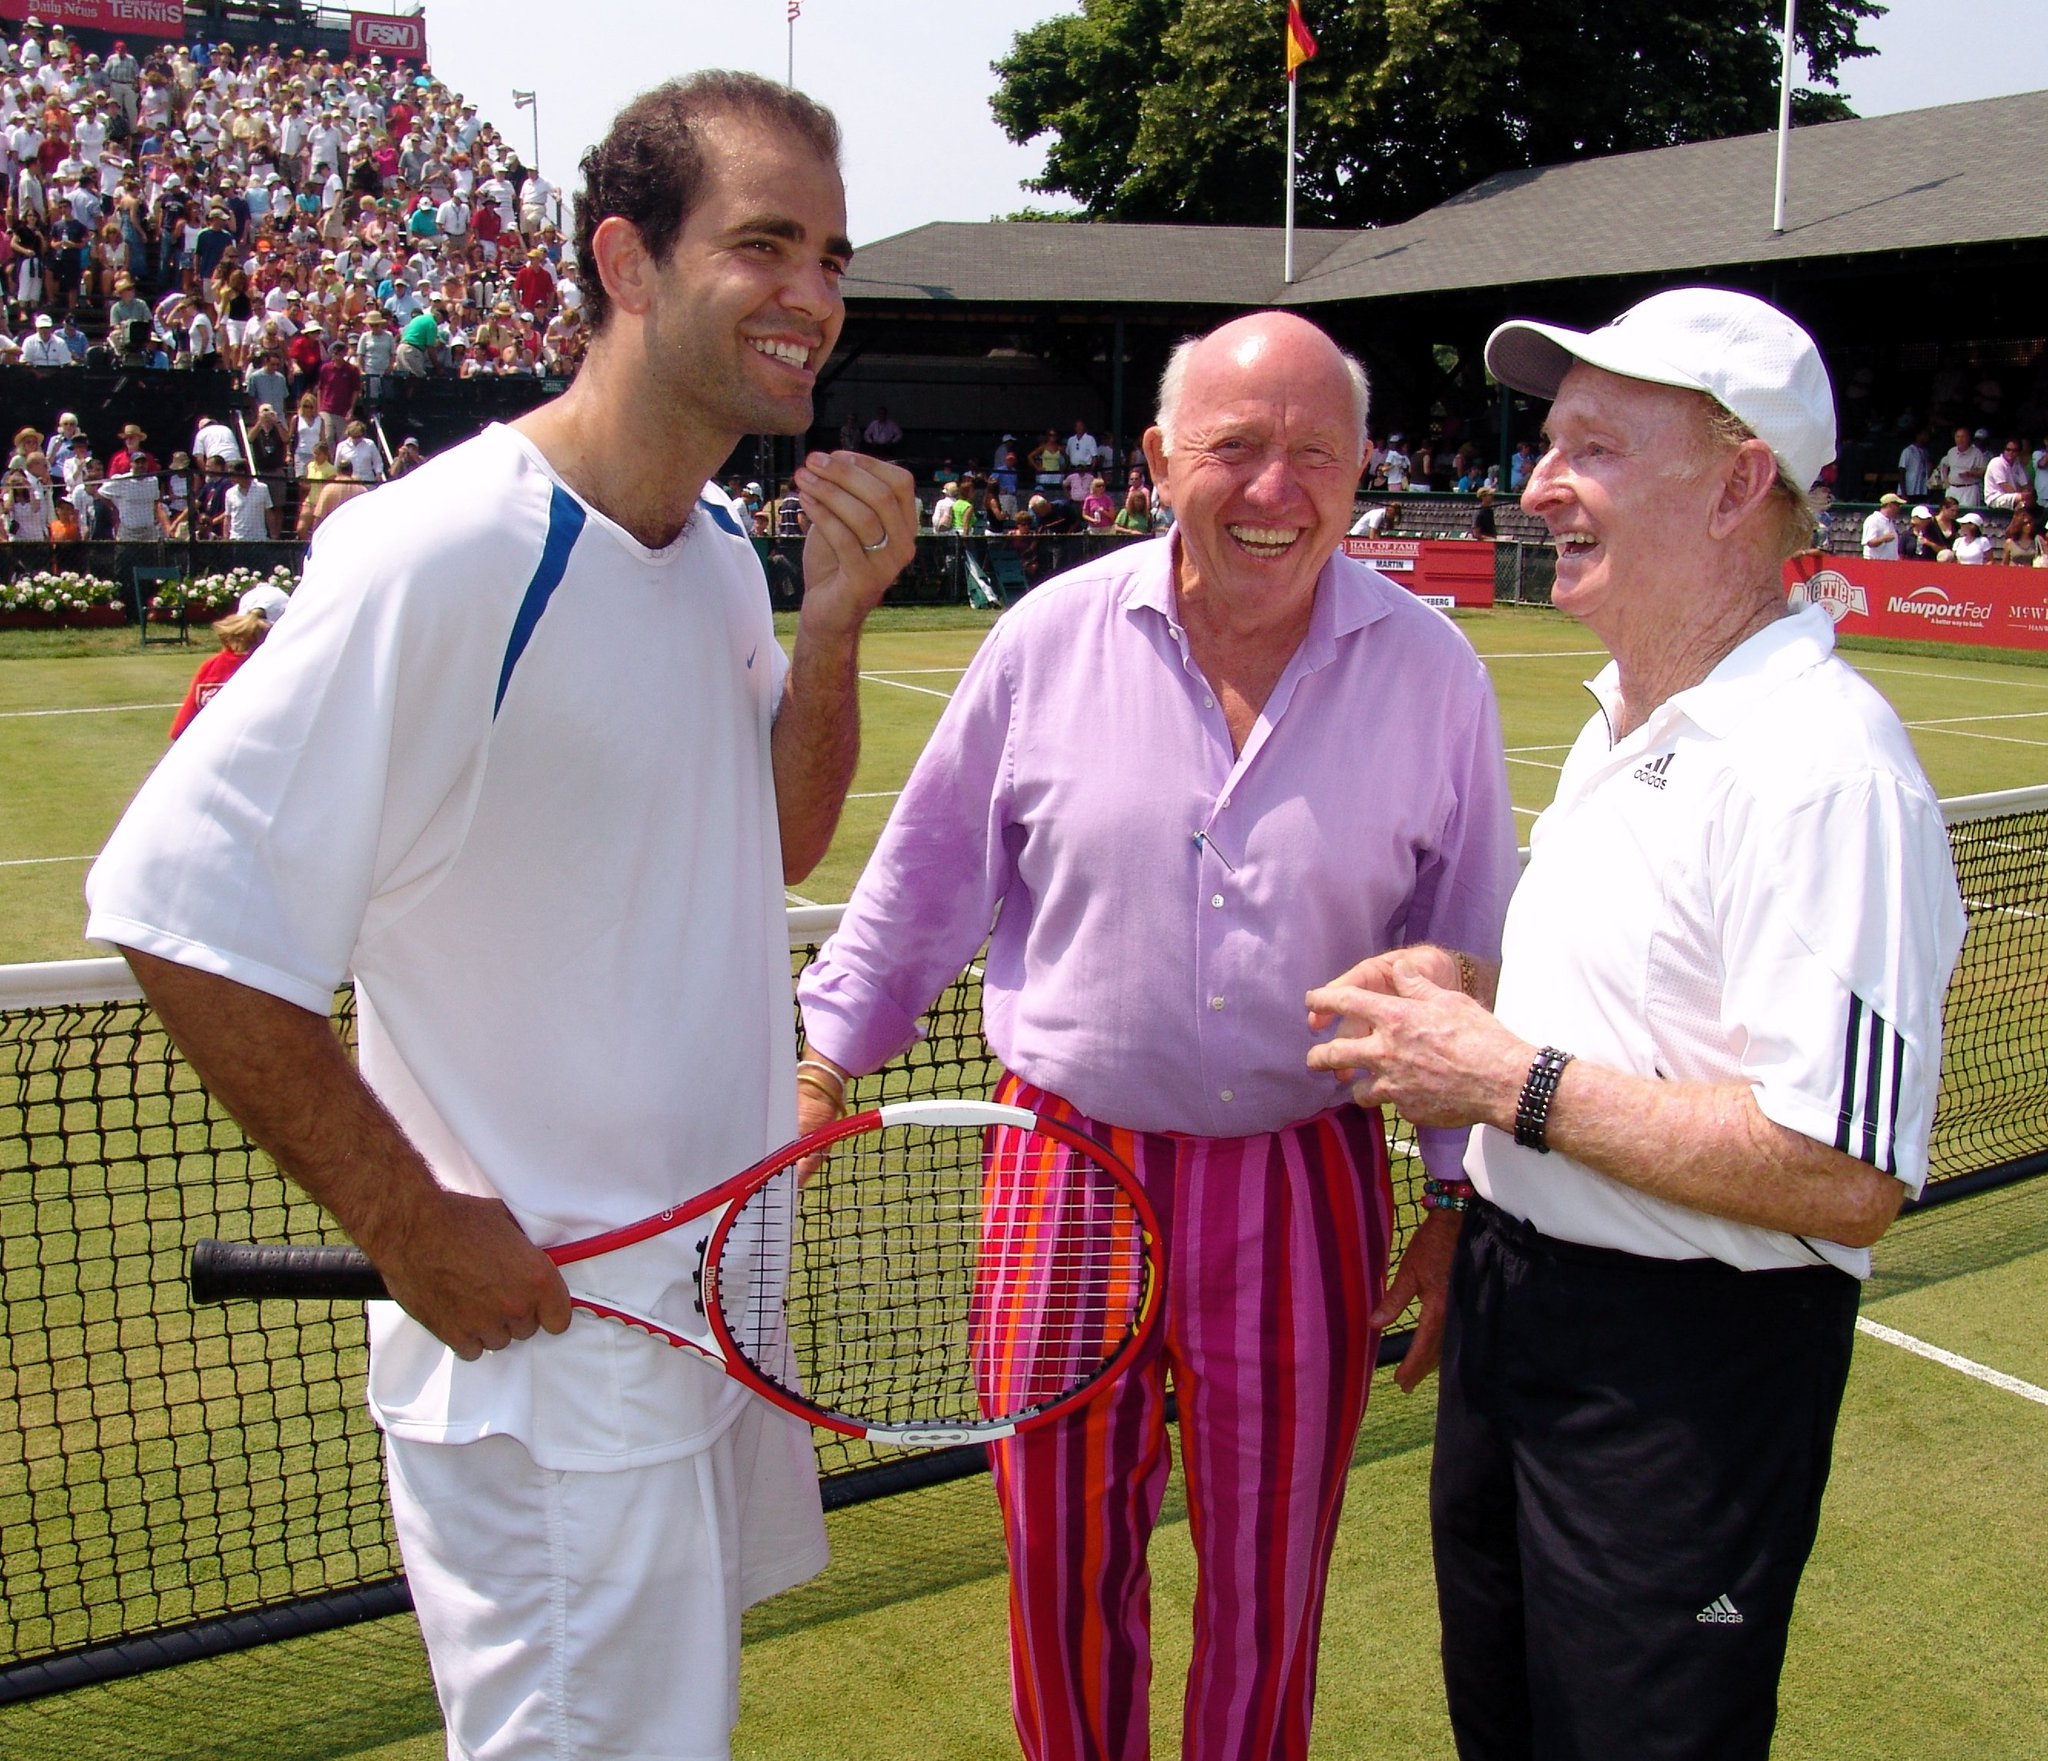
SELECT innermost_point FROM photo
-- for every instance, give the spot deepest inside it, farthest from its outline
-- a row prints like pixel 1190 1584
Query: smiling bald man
pixel 1175 782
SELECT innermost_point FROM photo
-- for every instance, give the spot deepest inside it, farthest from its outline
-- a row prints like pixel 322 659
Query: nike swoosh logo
pixel 756 649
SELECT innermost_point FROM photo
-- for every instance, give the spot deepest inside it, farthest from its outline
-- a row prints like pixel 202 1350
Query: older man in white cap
pixel 1740 914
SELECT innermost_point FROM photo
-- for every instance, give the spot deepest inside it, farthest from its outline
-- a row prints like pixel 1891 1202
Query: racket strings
pixel 936 1274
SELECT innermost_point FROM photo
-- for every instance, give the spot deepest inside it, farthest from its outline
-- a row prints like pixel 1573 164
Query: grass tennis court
pixel 80 733
pixel 1919 1630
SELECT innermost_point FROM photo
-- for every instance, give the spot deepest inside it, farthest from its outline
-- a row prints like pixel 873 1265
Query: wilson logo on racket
pixel 954 1272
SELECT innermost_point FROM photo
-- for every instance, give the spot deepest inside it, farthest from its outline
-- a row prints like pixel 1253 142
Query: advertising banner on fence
pixel 396 39
pixel 1440 571
pixel 123 18
pixel 1992 606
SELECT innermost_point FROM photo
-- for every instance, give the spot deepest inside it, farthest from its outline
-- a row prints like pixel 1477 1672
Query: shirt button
pixel 1208 703
pixel 1215 1002
pixel 1225 802
pixel 1230 1094
pixel 1216 899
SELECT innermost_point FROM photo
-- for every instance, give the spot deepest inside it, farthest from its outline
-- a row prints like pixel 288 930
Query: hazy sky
pixel 910 82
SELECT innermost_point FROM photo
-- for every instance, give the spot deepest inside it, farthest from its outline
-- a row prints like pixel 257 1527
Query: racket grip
pixel 226 1271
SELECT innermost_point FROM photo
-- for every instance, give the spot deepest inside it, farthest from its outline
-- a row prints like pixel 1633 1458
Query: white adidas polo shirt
pixel 1754 886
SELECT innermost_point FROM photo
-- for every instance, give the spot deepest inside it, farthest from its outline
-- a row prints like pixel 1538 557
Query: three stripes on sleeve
pixel 1873 1063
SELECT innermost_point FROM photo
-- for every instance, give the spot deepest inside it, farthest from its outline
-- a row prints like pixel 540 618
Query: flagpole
pixel 795 6
pixel 1784 119
pixel 1287 272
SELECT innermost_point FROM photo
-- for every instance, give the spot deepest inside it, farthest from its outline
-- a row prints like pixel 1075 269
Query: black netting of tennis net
pixel 175 1480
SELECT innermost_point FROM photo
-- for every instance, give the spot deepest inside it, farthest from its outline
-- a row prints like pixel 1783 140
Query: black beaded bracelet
pixel 1539 1089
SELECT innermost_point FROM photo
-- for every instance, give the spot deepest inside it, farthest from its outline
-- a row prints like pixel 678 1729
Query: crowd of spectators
pixel 56 489
pixel 314 227
pixel 1055 486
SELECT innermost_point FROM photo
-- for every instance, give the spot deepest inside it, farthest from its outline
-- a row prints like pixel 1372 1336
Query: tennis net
pixel 176 1481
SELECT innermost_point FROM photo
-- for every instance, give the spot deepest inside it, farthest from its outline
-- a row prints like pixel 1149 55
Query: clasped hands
pixel 1408 1037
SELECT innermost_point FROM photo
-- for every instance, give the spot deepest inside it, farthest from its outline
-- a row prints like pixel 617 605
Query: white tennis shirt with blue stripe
pixel 509 768
pixel 1752 887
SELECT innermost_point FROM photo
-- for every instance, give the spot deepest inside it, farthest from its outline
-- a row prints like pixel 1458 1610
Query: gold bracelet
pixel 836 1096
pixel 1468 974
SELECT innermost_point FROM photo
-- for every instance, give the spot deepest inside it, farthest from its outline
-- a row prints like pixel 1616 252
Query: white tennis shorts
pixel 596 1616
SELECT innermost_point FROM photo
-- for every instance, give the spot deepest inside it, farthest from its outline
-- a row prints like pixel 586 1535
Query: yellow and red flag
pixel 1300 45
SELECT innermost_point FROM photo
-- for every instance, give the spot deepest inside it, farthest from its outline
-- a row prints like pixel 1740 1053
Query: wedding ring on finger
pixel 881 543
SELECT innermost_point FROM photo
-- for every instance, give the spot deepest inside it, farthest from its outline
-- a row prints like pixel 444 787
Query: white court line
pixel 40 861
pixel 876 795
pixel 1985 905
pixel 1965 734
pixel 1949 1360
pixel 1556 746
pixel 2018 715
pixel 797 898
pixel 921 690
pixel 910 672
pixel 1535 763
pixel 1532 812
pixel 101 709
pixel 1552 654
pixel 1908 672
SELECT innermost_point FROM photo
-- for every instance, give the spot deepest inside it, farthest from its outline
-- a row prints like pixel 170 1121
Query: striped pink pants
pixel 1276 1251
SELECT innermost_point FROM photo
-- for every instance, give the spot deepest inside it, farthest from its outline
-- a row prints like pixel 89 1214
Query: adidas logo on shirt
pixel 1652 772
pixel 1720 1611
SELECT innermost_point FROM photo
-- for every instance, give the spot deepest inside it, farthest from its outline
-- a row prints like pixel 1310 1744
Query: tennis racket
pixel 952 1271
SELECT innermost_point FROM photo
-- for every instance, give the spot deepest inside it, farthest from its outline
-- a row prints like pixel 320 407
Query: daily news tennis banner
pixel 122 18
pixel 1992 605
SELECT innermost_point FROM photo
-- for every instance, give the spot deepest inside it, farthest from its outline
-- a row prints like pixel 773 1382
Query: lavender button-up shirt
pixel 1159 902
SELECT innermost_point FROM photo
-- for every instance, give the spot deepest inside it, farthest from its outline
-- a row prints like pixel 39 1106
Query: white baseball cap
pixel 1746 355
pixel 1969 519
pixel 267 601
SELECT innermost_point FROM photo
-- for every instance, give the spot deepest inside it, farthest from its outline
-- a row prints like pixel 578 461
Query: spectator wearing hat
pixel 1881 531
pixel 1916 543
pixel 1681 1149
pixel 240 634
pixel 123 74
pixel 338 385
pixel 131 449
pixel 1971 546
pixel 137 500
pixel 534 285
pixel 376 350
pixel 45 348
pixel 408 458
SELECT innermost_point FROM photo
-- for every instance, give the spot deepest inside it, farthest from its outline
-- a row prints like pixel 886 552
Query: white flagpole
pixel 1287 272
pixel 1784 119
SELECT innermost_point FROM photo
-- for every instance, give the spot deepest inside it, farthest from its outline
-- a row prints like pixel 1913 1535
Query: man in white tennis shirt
pixel 1704 1085
pixel 530 765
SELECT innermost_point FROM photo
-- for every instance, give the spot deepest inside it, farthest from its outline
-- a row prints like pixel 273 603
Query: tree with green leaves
pixel 1171 109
